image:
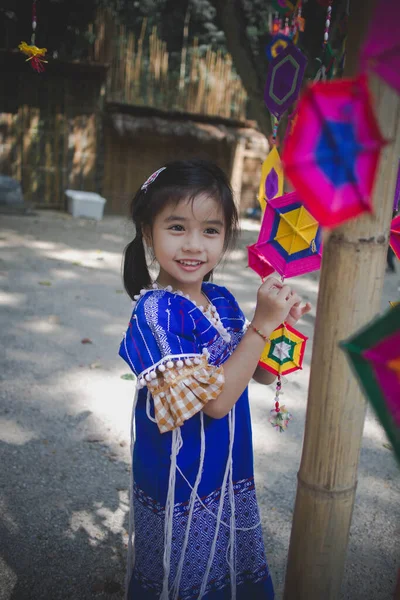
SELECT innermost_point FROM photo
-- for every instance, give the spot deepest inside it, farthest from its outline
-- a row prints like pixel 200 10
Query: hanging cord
pixel 232 538
pixel 176 445
pixel 148 398
pixel 34 23
pixel 220 508
pixel 175 588
pixel 275 125
pixel 328 22
pixel 131 552
pixel 211 512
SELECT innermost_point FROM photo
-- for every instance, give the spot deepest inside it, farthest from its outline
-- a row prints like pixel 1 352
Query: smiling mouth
pixel 190 263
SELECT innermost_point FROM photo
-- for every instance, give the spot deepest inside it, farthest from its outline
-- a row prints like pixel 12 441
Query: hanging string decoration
pixel 325 64
pixel 374 355
pixel 290 238
pixel 276 25
pixel 35 55
pixel 300 20
pixel 332 154
pixel 328 22
pixel 282 354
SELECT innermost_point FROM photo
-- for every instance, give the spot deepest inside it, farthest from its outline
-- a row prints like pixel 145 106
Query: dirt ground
pixel 65 412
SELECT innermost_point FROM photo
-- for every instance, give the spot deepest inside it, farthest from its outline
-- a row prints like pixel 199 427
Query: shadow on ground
pixel 65 412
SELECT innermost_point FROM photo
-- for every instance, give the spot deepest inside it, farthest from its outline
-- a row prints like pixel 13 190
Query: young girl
pixel 194 514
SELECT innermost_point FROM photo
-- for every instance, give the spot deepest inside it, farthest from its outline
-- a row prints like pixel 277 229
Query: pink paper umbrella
pixel 381 50
pixel 331 155
pixel 395 236
pixel 290 237
pixel 258 262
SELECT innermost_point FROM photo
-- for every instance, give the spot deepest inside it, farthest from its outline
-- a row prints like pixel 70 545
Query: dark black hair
pixel 180 180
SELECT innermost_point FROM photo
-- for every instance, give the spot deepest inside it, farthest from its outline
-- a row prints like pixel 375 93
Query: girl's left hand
pixel 296 312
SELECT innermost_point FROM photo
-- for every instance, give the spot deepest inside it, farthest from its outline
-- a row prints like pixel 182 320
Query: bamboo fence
pixel 140 74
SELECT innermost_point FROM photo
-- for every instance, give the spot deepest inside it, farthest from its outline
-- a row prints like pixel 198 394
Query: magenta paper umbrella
pixel 331 155
pixel 395 236
pixel 374 354
pixel 381 50
pixel 258 262
pixel 290 237
pixel 396 199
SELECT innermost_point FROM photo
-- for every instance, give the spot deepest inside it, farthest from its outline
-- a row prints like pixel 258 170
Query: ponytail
pixel 136 274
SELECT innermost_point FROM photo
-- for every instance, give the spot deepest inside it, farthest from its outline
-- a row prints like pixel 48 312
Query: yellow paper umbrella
pixel 284 352
pixel 271 184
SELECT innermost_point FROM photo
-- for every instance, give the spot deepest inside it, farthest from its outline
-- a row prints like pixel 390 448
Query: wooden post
pixel 351 285
pixel 237 170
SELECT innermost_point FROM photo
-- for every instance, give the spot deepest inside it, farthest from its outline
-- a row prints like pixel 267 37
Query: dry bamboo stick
pixel 202 86
pixel 182 72
pixel 138 63
pixel 128 66
pixel 121 53
pixel 193 78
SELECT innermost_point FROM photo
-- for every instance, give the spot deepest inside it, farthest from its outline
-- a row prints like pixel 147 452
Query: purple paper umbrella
pixel 284 77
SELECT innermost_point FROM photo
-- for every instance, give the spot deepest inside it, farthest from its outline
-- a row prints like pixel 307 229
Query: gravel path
pixel 65 411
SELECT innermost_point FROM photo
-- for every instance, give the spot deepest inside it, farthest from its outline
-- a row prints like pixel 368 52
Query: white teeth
pixel 190 263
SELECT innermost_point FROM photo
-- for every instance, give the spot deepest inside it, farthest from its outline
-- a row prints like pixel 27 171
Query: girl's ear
pixel 146 233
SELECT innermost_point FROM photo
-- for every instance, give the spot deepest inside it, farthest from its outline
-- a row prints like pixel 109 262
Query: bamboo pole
pixel 350 292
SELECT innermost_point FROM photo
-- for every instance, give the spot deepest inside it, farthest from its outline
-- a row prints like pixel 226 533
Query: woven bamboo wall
pixel 128 161
pixel 49 133
pixel 140 72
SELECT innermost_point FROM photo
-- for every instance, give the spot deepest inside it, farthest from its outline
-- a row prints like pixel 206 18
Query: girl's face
pixel 188 241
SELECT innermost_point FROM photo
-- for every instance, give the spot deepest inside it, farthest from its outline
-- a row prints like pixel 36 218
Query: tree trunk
pixel 231 17
pixel 351 285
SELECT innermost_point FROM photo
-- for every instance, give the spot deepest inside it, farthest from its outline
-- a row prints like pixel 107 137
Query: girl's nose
pixel 192 243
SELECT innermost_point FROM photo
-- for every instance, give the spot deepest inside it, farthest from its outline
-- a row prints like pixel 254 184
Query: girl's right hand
pixel 274 302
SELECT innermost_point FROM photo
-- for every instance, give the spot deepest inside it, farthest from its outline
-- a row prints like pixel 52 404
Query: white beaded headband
pixel 152 178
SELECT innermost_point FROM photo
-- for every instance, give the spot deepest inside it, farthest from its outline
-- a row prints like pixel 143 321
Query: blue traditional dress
pixel 194 515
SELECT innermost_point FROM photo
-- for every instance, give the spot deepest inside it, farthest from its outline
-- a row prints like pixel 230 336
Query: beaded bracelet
pixel 264 337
